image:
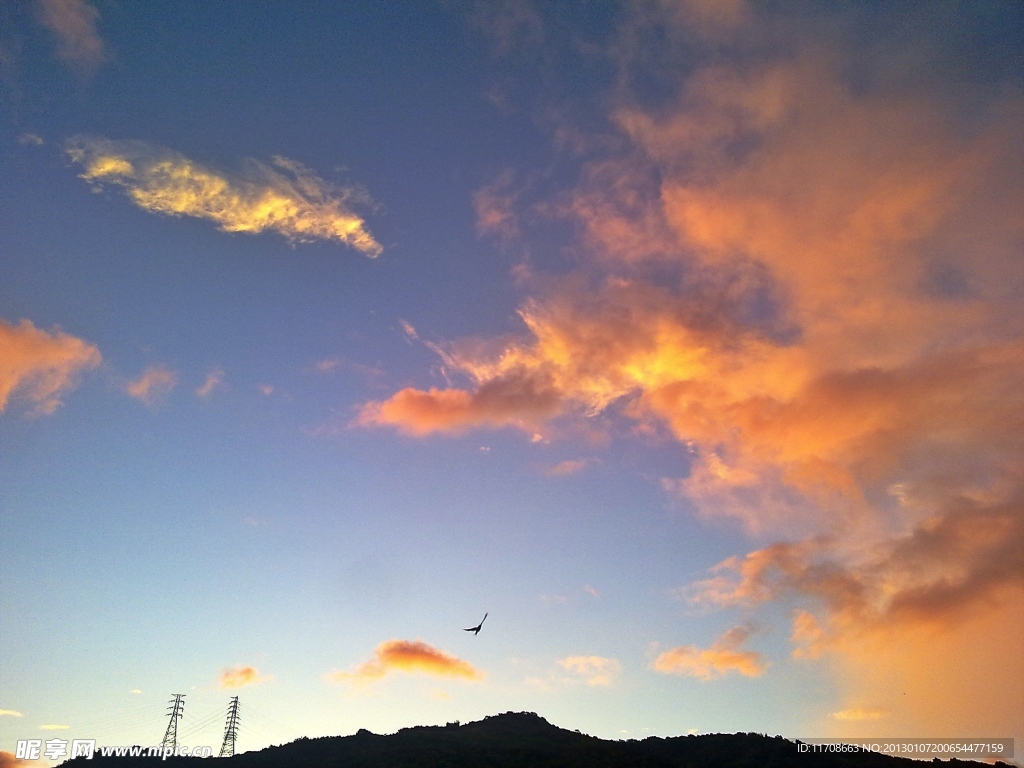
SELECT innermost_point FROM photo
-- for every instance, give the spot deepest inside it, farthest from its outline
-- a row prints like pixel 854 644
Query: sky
pixel 683 339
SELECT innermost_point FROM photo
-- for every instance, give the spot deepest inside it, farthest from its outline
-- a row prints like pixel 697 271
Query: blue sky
pixel 684 339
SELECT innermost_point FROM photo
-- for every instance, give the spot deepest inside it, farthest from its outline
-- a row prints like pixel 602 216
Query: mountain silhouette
pixel 526 740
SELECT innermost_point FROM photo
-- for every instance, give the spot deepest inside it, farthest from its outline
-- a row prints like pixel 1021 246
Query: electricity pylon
pixel 227 749
pixel 175 710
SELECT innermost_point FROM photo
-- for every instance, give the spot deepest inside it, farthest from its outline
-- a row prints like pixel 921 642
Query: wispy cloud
pixel 73 22
pixel 724 656
pixel 54 727
pixel 408 330
pixel 567 467
pixel 327 364
pixel 593 670
pixel 409 656
pixel 283 196
pixel 10 713
pixel 859 713
pixel 495 206
pixel 41 367
pixel 153 385
pixel 214 381
pixel 240 676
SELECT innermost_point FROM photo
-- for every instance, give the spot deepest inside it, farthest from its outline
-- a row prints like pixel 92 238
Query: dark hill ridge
pixel 526 740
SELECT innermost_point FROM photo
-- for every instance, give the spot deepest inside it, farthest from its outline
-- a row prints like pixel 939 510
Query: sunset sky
pixel 685 339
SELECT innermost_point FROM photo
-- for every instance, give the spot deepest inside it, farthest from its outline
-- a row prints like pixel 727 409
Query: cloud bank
pixel 803 264
pixel 284 197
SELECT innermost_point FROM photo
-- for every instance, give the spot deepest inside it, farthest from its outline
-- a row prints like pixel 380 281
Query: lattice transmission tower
pixel 175 709
pixel 227 749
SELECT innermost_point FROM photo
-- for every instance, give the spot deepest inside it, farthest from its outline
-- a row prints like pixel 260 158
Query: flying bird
pixel 476 630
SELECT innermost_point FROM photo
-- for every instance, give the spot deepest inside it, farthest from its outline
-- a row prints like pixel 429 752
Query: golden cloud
pixel 722 657
pixel 39 366
pixel 594 670
pixel 54 727
pixel 237 677
pixel 154 383
pixel 411 657
pixel 284 196
pixel 73 22
pixel 10 713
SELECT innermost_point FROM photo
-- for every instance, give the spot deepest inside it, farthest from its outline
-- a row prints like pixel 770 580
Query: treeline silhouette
pixel 526 740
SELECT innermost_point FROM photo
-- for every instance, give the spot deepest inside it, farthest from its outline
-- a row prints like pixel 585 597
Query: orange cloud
pixel 594 670
pixel 10 760
pixel 567 467
pixel 237 677
pixel 722 657
pixel 39 366
pixel 495 206
pixel 513 401
pixel 815 288
pixel 73 22
pixel 154 383
pixel 411 657
pixel 284 197
pixel 214 381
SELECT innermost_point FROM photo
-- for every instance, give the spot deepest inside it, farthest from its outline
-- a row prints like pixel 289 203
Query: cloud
pixel 724 656
pixel 54 727
pixel 238 677
pixel 10 713
pixel 511 25
pixel 284 196
pixel 32 139
pixel 803 265
pixel 214 381
pixel 9 760
pixel 495 206
pixel 593 670
pixel 567 467
pixel 154 383
pixel 327 365
pixel 73 22
pixel 41 367
pixel 411 657
pixel 859 713
pixel 408 330
pixel 518 401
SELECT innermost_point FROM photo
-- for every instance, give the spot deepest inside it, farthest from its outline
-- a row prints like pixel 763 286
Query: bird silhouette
pixel 476 630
